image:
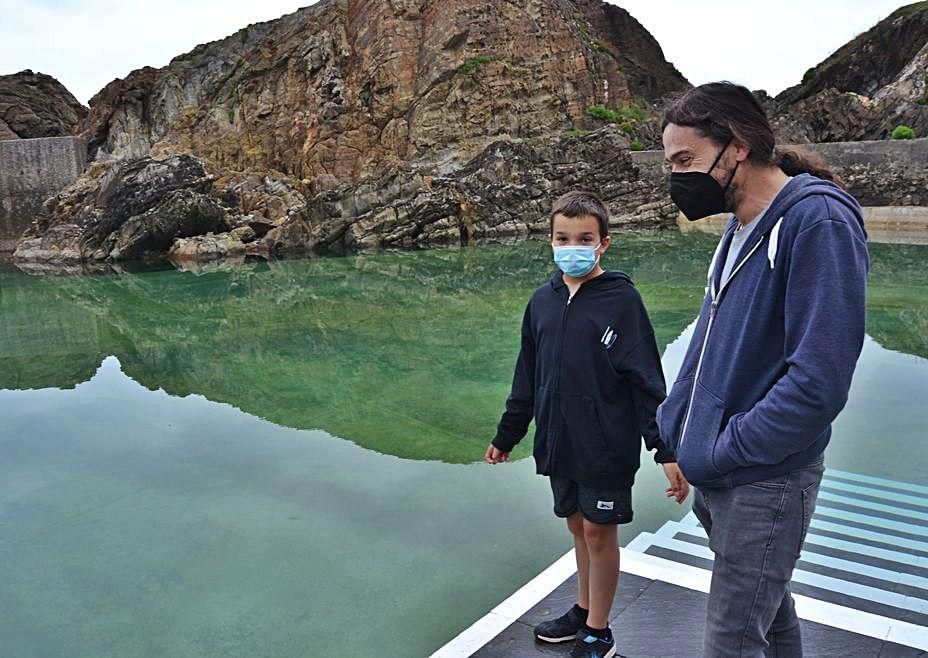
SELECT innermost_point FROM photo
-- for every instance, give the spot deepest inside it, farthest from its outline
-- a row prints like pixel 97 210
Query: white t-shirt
pixel 742 233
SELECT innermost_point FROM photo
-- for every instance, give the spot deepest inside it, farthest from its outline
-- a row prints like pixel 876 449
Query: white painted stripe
pixel 860 533
pixel 867 504
pixel 864 549
pixel 810 556
pixel 876 521
pixel 876 493
pixel 509 611
pixel 671 528
pixel 883 482
pixel 810 578
pixel 822 612
pixel 691 520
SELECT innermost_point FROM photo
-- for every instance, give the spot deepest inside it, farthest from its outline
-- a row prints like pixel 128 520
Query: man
pixel 771 359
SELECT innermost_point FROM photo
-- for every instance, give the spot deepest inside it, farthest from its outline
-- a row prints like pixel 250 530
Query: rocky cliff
pixel 37 105
pixel 869 86
pixel 343 89
pixel 310 123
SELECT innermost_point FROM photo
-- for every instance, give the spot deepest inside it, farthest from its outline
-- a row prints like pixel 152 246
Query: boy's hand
pixel 679 488
pixel 495 455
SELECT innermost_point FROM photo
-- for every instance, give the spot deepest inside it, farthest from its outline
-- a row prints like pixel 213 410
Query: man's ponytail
pixel 795 161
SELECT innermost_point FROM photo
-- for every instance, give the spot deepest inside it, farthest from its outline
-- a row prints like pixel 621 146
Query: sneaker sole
pixel 555 640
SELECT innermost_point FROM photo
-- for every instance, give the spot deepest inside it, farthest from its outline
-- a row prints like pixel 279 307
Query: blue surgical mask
pixel 576 261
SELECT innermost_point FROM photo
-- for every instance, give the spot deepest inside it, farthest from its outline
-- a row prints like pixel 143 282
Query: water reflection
pixel 407 353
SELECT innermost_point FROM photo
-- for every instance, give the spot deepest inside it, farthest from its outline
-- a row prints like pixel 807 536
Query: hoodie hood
pixel 799 188
pixel 796 190
pixel 606 281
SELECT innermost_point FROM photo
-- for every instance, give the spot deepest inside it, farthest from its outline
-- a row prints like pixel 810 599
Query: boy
pixel 590 375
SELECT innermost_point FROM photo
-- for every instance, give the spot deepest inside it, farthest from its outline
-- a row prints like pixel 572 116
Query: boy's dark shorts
pixel 605 506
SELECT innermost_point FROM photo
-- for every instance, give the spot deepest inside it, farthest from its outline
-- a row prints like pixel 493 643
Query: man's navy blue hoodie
pixel 590 375
pixel 770 362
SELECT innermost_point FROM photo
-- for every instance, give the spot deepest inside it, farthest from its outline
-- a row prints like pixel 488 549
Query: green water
pixel 266 459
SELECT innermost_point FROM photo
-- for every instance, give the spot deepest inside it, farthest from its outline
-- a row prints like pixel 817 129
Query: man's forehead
pixel 681 140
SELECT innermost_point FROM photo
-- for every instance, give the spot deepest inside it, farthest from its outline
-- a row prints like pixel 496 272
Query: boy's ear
pixel 604 243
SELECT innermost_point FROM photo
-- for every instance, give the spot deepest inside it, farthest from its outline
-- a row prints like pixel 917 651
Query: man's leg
pixel 756 532
pixel 784 639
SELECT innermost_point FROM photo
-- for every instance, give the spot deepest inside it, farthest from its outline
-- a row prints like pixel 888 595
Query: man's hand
pixel 679 488
pixel 495 455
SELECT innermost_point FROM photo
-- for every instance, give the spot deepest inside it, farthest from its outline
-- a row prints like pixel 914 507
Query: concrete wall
pixel 880 174
pixel 31 170
pixel 913 152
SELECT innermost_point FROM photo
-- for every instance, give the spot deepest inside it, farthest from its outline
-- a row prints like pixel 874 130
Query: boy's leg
pixel 565 627
pixel 575 524
pixel 602 545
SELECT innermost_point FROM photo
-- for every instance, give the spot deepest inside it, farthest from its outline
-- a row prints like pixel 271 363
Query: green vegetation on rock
pixel 902 132
pixel 472 64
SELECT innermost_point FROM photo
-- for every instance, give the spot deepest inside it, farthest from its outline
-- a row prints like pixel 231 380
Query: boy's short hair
pixel 578 203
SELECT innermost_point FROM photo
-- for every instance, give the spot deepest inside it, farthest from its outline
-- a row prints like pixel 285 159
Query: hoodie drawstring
pixel 774 242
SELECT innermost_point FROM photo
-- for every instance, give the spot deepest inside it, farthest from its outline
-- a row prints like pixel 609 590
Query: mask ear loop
pixel 719 157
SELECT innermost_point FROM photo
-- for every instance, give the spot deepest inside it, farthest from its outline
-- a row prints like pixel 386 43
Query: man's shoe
pixel 588 645
pixel 563 628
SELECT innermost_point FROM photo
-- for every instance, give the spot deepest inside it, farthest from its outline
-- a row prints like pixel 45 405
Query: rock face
pixel 506 191
pixel 363 123
pixel 347 88
pixel 864 90
pixel 125 210
pixel 37 105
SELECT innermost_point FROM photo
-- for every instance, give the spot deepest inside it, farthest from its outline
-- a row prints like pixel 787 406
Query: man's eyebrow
pixel 677 154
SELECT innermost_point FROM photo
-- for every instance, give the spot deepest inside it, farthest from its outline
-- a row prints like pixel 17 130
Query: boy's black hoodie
pixel 590 375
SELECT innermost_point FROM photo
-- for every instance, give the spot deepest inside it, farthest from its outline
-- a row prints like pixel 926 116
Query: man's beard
pixel 733 197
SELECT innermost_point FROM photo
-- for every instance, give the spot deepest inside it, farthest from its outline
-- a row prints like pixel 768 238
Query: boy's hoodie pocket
pixel 586 441
pixel 546 428
pixel 694 453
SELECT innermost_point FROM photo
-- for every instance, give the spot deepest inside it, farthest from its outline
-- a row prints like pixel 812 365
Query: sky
pixel 86 44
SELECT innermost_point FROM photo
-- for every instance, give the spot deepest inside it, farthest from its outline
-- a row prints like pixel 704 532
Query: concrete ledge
pixel 892 224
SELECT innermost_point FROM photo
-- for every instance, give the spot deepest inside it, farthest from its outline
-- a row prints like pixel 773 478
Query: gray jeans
pixel 756 532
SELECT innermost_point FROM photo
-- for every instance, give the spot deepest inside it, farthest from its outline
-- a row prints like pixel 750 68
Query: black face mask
pixel 697 194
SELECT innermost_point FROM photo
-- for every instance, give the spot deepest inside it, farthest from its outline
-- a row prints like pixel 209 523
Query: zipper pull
pixel 713 307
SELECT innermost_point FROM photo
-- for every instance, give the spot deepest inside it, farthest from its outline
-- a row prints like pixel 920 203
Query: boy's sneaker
pixel 590 645
pixel 563 628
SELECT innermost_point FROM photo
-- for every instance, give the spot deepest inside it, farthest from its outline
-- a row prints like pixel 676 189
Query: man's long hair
pixel 723 110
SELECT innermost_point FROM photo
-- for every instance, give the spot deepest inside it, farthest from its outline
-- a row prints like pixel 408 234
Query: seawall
pixel 31 170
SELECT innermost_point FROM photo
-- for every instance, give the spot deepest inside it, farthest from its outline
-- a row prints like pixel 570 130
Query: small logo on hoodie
pixel 605 504
pixel 609 337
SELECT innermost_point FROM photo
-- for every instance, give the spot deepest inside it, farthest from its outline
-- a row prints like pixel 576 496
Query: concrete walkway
pixel 861 585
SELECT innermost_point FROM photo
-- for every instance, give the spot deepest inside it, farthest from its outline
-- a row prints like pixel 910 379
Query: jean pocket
pixel 776 484
pixel 809 498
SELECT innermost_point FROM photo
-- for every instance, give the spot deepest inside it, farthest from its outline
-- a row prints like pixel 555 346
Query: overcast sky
pixel 87 43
